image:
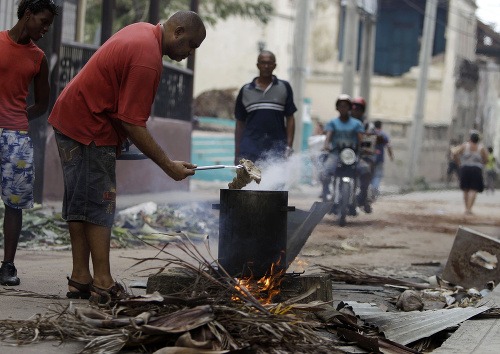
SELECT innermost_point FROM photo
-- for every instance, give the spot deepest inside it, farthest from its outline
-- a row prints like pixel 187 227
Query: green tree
pixel 131 11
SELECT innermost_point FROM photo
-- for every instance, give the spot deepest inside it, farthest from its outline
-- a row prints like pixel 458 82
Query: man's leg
pixel 99 238
pixel 12 223
pixel 378 173
pixel 363 171
pixel 327 171
pixel 81 254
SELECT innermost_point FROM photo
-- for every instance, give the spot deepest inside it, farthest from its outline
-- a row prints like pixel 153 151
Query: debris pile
pixel 44 228
pixel 215 315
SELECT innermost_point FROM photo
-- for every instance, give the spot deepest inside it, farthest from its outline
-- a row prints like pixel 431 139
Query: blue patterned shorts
pixel 17 170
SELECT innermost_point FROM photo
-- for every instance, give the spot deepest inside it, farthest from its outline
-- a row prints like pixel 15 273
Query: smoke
pixel 280 174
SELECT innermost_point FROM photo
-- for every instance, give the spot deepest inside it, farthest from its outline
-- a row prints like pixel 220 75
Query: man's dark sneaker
pixel 367 208
pixel 8 274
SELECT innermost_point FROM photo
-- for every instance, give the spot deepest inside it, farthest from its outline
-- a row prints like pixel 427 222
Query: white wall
pixel 8 14
pixel 228 56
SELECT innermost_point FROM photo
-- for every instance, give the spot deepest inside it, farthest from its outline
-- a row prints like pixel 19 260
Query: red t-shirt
pixel 118 83
pixel 19 64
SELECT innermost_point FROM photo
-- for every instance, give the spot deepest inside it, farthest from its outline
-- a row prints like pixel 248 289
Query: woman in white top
pixel 471 157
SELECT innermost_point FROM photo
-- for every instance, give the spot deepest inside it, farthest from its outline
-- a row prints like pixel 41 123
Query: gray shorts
pixel 89 181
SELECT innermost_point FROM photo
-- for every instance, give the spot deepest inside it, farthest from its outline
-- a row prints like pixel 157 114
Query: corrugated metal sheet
pixel 407 327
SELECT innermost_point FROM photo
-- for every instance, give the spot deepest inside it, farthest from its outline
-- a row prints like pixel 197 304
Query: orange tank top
pixel 19 64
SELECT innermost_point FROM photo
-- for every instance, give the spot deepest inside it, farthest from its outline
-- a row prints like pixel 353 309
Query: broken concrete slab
pixel 473 259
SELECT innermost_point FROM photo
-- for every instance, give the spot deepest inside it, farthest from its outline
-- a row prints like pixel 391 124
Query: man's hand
pixel 288 152
pixel 178 170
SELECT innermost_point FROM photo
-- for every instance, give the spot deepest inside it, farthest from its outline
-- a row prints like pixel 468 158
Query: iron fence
pixel 173 97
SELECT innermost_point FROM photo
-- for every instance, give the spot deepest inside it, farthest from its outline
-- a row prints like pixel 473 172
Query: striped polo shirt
pixel 264 113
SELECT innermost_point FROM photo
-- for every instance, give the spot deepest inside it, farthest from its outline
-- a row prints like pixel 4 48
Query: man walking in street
pixel 108 101
pixel 265 124
pixel 383 142
pixel 21 62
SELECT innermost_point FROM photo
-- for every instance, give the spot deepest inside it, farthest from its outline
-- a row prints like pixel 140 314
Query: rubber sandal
pixel 83 290
pixel 109 296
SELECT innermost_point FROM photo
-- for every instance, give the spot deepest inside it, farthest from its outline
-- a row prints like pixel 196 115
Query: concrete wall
pixel 8 15
pixel 433 157
pixel 228 56
pixel 133 177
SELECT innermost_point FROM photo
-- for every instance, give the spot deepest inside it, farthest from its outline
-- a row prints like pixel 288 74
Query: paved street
pixel 44 272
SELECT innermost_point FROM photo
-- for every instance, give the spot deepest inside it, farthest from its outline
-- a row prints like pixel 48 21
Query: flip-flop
pixel 83 290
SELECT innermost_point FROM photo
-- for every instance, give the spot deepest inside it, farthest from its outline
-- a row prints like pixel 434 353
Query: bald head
pixel 183 32
pixel 189 20
pixel 266 53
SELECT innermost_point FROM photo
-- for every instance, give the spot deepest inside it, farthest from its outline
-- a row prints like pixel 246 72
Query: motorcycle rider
pixel 343 131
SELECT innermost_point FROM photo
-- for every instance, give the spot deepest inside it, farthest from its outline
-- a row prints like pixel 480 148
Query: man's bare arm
pixel 290 130
pixel 41 90
pixel 238 133
pixel 140 136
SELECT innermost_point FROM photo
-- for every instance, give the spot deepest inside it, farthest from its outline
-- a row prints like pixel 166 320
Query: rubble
pixel 44 228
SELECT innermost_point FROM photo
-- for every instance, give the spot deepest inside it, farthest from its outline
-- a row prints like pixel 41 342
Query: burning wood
pixel 245 175
pixel 263 289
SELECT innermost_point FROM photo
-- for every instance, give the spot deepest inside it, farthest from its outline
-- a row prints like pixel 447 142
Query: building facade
pixel 451 108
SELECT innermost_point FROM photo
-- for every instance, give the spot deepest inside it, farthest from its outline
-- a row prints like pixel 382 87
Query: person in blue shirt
pixel 265 124
pixel 344 131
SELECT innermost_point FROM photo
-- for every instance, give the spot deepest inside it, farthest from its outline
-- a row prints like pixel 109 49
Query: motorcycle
pixel 344 185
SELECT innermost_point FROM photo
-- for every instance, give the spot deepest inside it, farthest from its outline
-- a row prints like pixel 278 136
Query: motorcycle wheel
pixel 345 193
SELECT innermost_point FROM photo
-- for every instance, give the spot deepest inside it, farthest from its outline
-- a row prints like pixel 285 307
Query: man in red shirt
pixel 21 62
pixel 108 101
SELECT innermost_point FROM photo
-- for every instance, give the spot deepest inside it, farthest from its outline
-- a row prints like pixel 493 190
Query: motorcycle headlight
pixel 348 156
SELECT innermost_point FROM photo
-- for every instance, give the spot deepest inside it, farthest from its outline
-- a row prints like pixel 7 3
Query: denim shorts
pixel 89 181
pixel 17 170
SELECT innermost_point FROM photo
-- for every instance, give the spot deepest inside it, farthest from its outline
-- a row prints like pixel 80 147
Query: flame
pixel 263 289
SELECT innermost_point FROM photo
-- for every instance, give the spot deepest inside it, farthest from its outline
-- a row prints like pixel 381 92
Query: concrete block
pixel 473 260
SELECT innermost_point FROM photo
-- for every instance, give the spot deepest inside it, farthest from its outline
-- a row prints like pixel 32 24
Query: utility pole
pixel 367 58
pixel 154 12
pixel 298 69
pixel 81 10
pixel 50 44
pixel 417 127
pixel 193 6
pixel 350 46
pixel 107 20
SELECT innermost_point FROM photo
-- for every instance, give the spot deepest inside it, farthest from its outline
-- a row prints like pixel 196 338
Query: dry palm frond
pixel 107 344
pixel 356 276
pixel 26 293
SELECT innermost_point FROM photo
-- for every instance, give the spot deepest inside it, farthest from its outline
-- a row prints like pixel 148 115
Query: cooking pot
pixel 252 231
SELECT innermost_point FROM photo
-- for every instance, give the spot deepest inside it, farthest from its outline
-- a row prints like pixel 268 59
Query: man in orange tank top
pixel 21 63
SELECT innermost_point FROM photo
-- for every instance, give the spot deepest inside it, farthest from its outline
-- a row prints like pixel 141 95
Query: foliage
pixel 131 11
